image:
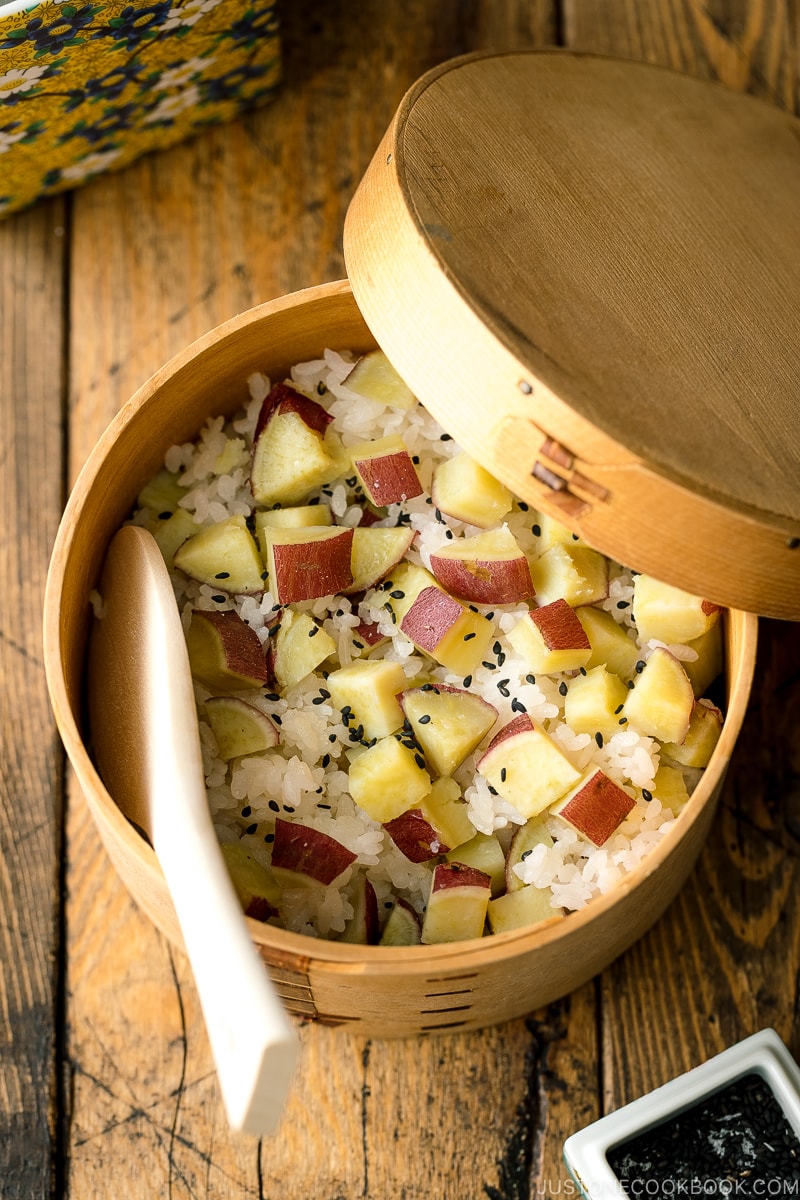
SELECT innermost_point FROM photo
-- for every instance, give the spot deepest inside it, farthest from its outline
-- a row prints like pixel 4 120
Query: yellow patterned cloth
pixel 89 87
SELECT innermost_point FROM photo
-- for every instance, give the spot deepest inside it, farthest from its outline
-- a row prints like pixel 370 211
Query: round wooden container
pixel 519 408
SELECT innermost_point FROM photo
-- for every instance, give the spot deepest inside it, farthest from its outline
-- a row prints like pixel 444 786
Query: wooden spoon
pixel 147 747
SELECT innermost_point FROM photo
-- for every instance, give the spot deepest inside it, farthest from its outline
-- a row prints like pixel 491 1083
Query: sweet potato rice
pixel 556 858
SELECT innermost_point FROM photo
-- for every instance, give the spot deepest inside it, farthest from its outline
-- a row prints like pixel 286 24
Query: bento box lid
pixel 589 271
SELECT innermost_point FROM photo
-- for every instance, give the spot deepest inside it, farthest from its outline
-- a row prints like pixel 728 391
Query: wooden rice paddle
pixel 147 746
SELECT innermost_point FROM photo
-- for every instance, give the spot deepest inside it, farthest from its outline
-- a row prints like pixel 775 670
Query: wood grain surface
pixel 106 1082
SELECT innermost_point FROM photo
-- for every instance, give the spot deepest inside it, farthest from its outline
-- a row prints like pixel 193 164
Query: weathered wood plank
pixel 31 436
pixel 235 217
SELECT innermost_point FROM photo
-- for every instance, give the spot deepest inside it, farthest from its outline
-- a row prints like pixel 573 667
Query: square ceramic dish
pixel 89 87
pixel 511 377
pixel 763 1055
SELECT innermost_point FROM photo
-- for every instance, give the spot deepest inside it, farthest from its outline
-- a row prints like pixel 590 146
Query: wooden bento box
pixel 527 323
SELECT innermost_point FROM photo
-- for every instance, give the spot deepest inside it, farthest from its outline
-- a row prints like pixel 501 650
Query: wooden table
pixel 106 1083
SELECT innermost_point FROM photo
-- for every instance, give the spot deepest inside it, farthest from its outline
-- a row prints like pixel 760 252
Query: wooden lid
pixel 589 271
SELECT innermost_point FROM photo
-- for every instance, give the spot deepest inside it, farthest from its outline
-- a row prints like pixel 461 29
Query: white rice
pixel 305 778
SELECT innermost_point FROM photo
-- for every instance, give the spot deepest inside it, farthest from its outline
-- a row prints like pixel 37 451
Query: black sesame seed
pixel 501 658
pixel 448 533
pixel 629 684
pixel 358 645
pixel 320 790
pixel 273 696
pixel 503 774
pixel 415 459
pixel 219 599
pixel 639 666
pixel 322 805
pixel 318 700
pixel 503 690
pixel 618 709
pixel 622 721
pixel 445 438
pixel 467 681
pixel 492 790
pixel 331 737
pixel 324 693
pixel 525 854
pixel 497 648
pixel 274 630
pixel 420 761
pixel 623 604
pixel 165 515
pixel 397 594
pixel 269 837
pixel 469 636
pixel 321 388
pixel 246 810
pixel 646 795
pixel 536 530
pixel 222 575
pixel 518 706
pixel 583 670
pixel 425 719
pixel 313 631
pixel 598 737
pixel 427 687
pixel 523 507
pixel 277 719
pixel 438 516
pixel 326 759
pixel 252 828
pixel 273 804
pixel 530 678
pixel 563 689
pixel 489 666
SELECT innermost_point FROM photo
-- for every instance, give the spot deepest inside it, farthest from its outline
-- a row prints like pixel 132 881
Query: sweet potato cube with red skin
pixel 293 452
pixel 302 855
pixel 447 722
pixel 526 767
pixel 414 836
pixel 430 618
pixel 373 554
pixel 225 654
pixel 457 904
pixel 452 634
pixel 386 471
pixel 595 807
pixel 307 563
pixel 439 823
pixel 284 398
pixel 489 568
pixel 661 702
pixel 551 638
